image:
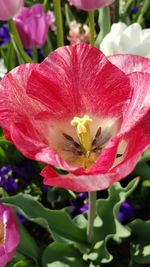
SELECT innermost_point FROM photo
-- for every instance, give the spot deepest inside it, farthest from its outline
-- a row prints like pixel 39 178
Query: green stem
pixel 14 32
pixel 104 21
pixel 92 27
pixel 145 7
pixel 17 42
pixel 46 5
pixel 91 215
pixel 59 24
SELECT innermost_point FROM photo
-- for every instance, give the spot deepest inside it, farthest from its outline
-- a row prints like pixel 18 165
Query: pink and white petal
pixel 17 108
pixel 137 144
pixel 140 101
pixel 106 158
pixel 81 183
pixel 77 80
pixel 138 107
pixel 15 104
pixel 130 63
pixel 38 150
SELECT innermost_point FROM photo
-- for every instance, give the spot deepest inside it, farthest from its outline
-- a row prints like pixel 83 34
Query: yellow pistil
pixel 84 136
pixel 1 232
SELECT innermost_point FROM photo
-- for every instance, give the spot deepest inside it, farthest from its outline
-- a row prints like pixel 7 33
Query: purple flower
pixel 40 54
pixel 21 218
pixel 134 10
pixel 126 213
pixel 29 52
pixel 7 182
pixel 79 204
pixel 4 35
pixel 14 178
pixel 33 25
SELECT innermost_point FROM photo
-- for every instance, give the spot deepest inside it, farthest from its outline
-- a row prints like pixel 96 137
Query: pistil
pixel 83 132
pixel 84 136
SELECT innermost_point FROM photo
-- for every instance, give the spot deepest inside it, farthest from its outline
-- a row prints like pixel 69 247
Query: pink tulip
pixel 90 4
pixel 10 8
pixel 45 108
pixel 33 25
pixel 9 234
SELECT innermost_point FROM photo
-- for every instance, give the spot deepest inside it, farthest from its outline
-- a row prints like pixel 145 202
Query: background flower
pixel 79 204
pixel 10 8
pixel 4 35
pixel 90 5
pixel 124 39
pixel 33 25
pixel 126 213
pixel 9 234
pixel 78 33
pixel 3 69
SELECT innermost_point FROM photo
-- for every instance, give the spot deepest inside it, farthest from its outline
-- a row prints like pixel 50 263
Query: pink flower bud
pixel 10 8
pixel 90 5
pixel 9 234
pixel 33 24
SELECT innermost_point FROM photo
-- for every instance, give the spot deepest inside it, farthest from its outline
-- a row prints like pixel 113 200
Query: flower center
pixel 83 132
pixel 84 136
pixel 83 145
pixel 1 232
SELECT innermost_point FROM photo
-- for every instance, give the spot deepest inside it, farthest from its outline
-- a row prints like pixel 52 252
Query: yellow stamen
pixel 83 132
pixel 84 136
pixel 1 232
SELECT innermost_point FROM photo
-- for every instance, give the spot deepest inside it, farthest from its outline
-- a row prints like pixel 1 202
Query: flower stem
pixel 144 9
pixel 17 42
pixel 91 215
pixel 59 24
pixel 14 32
pixel 92 27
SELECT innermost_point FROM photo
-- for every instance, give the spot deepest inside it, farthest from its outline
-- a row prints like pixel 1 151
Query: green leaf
pixel 106 225
pixel 58 222
pixel 27 245
pixel 19 263
pixel 140 247
pixel 62 255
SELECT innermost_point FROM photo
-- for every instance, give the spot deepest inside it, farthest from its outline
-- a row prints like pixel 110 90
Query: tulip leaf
pixel 57 222
pixel 27 245
pixel 106 225
pixel 20 263
pixel 140 247
pixel 62 255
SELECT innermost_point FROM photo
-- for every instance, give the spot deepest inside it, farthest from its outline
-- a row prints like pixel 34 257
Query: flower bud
pixel 90 5
pixel 10 8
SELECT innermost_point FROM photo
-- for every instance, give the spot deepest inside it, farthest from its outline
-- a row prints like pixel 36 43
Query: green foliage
pixel 62 255
pixel 70 246
pixel 140 241
pixel 107 225
pixel 27 245
pixel 57 222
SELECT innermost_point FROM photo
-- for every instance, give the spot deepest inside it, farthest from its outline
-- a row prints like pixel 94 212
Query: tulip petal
pixel 138 108
pixel 135 131
pixel 90 5
pixel 130 63
pixel 75 80
pixel 88 183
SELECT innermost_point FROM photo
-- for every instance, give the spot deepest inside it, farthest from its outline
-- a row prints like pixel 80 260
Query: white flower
pixel 124 39
pixel 3 69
